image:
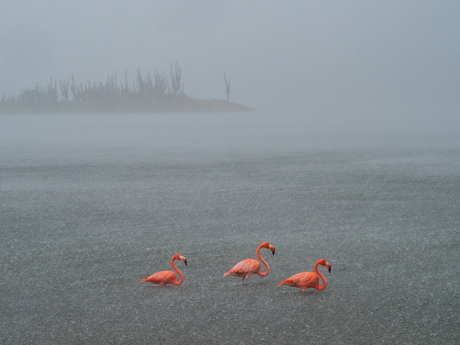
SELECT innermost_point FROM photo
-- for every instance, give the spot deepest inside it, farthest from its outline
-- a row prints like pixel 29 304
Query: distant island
pixel 145 95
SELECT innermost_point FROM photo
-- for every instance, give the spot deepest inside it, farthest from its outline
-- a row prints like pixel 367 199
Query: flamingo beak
pixel 273 249
pixel 329 268
pixel 185 260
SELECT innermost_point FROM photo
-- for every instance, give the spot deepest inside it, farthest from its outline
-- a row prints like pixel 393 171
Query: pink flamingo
pixel 250 266
pixel 167 277
pixel 307 280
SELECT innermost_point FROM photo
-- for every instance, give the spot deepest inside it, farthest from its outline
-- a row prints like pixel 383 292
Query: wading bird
pixel 250 266
pixel 307 280
pixel 167 277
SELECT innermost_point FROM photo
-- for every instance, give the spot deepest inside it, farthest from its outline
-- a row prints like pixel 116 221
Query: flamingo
pixel 250 266
pixel 307 280
pixel 167 277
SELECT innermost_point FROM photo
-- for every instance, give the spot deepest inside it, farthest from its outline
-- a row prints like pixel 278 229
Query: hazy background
pixel 331 62
pixel 90 205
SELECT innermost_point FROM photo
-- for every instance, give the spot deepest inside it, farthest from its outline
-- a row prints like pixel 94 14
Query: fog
pixel 348 63
pixel 351 155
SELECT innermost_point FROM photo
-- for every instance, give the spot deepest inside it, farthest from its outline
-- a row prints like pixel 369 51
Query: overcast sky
pixel 323 58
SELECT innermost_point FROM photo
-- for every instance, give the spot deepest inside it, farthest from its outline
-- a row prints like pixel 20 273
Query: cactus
pixel 227 86
pixel 64 89
pixel 175 76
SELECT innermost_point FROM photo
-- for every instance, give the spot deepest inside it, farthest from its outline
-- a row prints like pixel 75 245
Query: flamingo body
pixel 303 280
pixel 244 268
pixel 307 280
pixel 164 278
pixel 248 267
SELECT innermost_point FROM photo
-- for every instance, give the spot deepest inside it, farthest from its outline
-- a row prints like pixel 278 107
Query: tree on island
pixel 39 95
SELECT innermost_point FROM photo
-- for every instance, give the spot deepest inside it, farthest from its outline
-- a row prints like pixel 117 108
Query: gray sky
pixel 354 59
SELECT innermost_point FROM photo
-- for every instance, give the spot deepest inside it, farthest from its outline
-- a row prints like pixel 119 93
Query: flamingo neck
pixel 265 263
pixel 180 274
pixel 322 277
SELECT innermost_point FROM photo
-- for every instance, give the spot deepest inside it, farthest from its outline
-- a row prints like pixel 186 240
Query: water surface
pixel 92 204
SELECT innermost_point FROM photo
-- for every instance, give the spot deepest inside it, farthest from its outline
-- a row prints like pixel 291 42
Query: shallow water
pixel 90 205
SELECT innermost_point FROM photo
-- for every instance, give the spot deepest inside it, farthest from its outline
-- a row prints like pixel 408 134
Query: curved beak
pixel 329 268
pixel 185 260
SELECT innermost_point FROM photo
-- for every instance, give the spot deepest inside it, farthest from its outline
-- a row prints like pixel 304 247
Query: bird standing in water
pixel 250 266
pixel 307 280
pixel 167 277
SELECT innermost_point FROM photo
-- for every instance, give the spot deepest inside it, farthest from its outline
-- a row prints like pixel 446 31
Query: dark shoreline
pixel 166 104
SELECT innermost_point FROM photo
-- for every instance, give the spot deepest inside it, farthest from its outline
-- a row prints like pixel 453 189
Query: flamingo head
pixel 268 245
pixel 180 257
pixel 325 263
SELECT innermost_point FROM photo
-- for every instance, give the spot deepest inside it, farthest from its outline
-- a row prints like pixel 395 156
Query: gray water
pixel 92 204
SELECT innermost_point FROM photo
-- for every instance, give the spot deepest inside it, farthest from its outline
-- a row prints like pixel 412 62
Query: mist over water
pixel 352 155
pixel 92 204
